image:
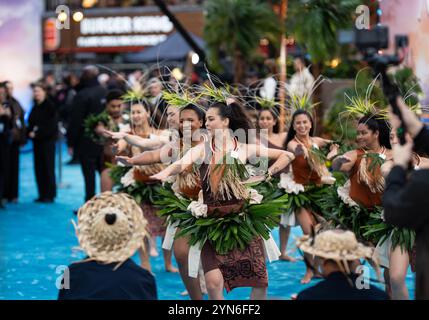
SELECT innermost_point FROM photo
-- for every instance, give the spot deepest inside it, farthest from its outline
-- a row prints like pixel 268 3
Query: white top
pixel 301 83
pixel 268 89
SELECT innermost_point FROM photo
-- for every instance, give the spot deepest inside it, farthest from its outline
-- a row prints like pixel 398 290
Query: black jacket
pixel 94 281
pixel 337 287
pixel 406 204
pixel 89 100
pixel 6 125
pixel 43 120
pixel 18 124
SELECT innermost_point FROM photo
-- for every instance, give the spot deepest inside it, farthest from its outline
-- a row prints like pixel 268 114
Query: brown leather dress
pixel 359 191
pixel 245 268
pixel 303 173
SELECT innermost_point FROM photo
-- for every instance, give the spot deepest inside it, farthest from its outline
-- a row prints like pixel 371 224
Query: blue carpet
pixel 37 239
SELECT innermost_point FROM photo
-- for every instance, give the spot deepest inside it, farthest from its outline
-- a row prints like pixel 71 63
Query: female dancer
pixel 225 195
pixel 308 169
pixel 188 183
pixel 148 137
pixel 372 138
pixel 363 167
pixel 267 120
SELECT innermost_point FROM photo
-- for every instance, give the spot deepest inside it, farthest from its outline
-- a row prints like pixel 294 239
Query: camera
pixel 369 42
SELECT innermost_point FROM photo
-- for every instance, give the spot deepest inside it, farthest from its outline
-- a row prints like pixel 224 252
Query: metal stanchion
pixel 61 135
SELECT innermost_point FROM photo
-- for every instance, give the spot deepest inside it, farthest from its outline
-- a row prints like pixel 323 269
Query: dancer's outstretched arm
pixel 194 155
pixel 157 141
pixel 147 157
pixel 282 158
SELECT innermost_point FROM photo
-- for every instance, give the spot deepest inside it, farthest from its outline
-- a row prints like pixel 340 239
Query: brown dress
pixel 245 268
pixel 359 191
pixel 303 173
pixel 156 225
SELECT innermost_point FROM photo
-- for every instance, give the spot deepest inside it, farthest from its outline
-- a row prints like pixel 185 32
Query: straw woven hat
pixel 111 227
pixel 334 244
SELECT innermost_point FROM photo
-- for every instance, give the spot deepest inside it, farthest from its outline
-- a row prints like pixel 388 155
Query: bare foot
pixel 285 257
pixel 153 252
pixel 307 277
pixel 171 269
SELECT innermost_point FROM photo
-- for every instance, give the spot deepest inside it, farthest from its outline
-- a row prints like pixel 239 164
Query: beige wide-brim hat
pixel 336 245
pixel 111 227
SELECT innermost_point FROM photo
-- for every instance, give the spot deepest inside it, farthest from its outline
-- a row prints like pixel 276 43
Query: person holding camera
pixel 405 198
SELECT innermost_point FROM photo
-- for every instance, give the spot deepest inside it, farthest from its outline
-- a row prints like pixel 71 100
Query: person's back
pixel 88 100
pixel 338 286
pixel 95 281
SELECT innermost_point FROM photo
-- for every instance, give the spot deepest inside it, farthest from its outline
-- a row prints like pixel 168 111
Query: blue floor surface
pixel 37 239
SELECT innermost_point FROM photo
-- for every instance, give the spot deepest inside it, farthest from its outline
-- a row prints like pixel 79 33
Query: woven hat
pixel 334 244
pixel 111 227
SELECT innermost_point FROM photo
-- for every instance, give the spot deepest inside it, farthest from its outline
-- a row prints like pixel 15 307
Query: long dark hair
pixel 238 119
pixel 276 128
pixel 291 133
pixel 375 124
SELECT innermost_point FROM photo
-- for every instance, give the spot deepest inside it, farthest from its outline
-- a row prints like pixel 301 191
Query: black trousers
pixel 12 176
pixel 4 165
pixel 90 163
pixel 44 166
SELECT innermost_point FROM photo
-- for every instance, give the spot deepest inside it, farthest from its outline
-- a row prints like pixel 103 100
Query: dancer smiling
pixel 188 182
pixel 267 120
pixel 224 195
pixel 309 172
pixel 140 128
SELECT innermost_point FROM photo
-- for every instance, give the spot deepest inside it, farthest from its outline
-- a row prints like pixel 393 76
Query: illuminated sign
pixel 51 35
pixel 118 25
pixel 120 31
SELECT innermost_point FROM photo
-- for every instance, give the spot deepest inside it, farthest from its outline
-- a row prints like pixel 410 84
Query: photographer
pixel 405 198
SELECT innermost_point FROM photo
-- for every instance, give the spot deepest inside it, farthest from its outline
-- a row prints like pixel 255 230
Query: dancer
pixel 309 174
pixel 225 196
pixel 366 181
pixel 97 127
pixel 268 120
pixel 186 185
pixel 139 175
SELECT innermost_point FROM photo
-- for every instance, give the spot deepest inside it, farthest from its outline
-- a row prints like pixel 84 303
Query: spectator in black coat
pixel 111 227
pixel 337 249
pixel 43 130
pixel 405 198
pixel 90 99
pixel 6 116
pixel 18 139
